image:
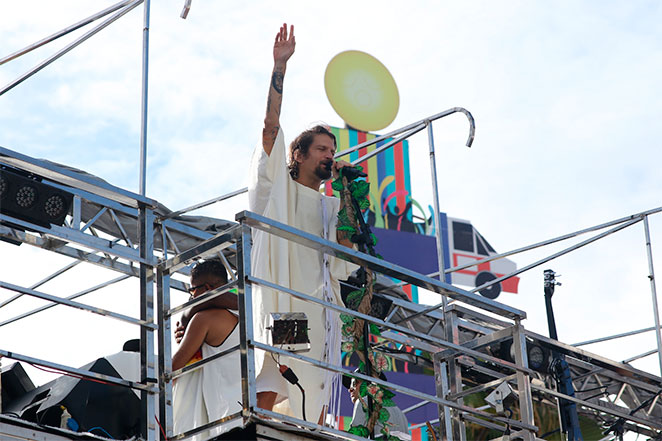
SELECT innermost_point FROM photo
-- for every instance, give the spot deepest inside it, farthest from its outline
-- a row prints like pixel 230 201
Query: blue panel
pixel 353 140
pixel 416 252
pixel 420 382
pixel 444 235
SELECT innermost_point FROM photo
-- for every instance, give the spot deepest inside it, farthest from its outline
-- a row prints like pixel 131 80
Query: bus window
pixel 480 249
pixel 463 238
pixel 487 244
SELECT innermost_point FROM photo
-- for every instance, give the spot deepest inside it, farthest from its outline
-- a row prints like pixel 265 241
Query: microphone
pixel 352 173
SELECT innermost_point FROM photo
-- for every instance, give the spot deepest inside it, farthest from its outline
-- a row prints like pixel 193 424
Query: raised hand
pixel 284 44
pixel 283 50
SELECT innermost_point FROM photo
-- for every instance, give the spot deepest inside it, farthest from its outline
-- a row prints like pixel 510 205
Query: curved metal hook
pixel 187 7
pixel 472 127
pixel 472 123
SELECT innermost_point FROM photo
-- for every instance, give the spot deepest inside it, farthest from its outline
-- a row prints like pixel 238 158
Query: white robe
pixel 209 393
pixel 274 194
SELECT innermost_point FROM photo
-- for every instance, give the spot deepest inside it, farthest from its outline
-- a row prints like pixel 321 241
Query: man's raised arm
pixel 283 50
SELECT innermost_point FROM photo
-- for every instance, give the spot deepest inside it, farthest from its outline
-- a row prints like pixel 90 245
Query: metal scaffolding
pixel 133 235
pixel 125 232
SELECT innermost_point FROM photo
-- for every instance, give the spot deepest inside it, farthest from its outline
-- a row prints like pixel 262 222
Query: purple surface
pixel 419 382
pixel 416 252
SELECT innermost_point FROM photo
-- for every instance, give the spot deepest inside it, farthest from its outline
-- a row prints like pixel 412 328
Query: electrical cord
pixel 102 430
pixel 80 377
pixel 545 435
pixel 303 400
pixel 160 427
pixel 618 426
pixel 290 376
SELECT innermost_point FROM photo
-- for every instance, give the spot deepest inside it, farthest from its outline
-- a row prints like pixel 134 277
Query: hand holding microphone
pixel 349 171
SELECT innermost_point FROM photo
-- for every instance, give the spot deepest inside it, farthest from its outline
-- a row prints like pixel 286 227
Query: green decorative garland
pixel 360 300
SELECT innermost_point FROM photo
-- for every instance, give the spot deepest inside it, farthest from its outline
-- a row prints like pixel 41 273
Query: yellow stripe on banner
pixel 343 141
pixel 373 175
pixel 372 163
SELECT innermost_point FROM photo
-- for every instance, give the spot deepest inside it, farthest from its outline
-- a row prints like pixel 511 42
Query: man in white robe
pixel 290 194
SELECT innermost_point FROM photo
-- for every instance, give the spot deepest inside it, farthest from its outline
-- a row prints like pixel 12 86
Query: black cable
pixel 303 401
pixel 290 376
pixel 509 415
pixel 544 435
pixel 617 427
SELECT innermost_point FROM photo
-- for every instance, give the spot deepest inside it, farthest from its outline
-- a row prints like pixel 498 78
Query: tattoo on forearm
pixel 269 103
pixel 270 136
pixel 277 81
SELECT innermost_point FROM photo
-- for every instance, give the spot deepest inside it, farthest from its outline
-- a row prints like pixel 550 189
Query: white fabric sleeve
pixel 263 171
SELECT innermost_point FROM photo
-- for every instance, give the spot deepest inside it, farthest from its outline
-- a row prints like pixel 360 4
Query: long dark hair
pixel 303 143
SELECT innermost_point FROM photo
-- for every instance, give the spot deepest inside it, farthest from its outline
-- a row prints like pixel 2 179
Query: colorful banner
pixel 388 175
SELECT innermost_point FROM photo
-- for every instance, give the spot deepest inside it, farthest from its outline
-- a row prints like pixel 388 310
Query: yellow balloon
pixel 361 90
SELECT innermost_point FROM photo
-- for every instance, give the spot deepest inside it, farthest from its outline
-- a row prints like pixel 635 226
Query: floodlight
pixel 537 355
pixel 4 187
pixel 55 206
pixel 289 330
pixel 25 197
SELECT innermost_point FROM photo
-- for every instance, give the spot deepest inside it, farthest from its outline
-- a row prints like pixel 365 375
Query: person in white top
pixel 290 193
pixel 397 421
pixel 213 391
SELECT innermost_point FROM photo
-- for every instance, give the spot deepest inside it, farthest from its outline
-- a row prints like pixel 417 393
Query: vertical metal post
pixel 164 243
pixel 437 219
pixel 147 357
pixel 76 213
pixel 441 380
pixel 446 417
pixel 143 113
pixel 245 303
pixel 165 352
pixel 455 373
pixel 651 277
pixel 523 380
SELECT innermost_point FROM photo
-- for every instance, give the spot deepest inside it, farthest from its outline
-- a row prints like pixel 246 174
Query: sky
pixel 565 96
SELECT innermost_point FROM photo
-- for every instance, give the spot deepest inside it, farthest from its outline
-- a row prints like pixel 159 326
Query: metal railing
pixel 245 282
pixel 132 254
pixel 85 244
pixel 102 238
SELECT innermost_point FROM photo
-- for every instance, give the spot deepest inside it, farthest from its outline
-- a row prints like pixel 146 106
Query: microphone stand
pixel 560 368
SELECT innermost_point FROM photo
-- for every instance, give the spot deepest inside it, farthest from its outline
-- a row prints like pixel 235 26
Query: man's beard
pixel 323 171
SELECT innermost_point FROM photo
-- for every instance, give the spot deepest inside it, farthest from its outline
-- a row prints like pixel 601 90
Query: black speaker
pixel 15 383
pixel 93 404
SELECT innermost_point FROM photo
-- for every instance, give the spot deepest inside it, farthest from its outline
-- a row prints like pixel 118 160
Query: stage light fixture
pixel 54 206
pixel 4 187
pixel 537 355
pixel 289 331
pixel 25 197
pixel 380 305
